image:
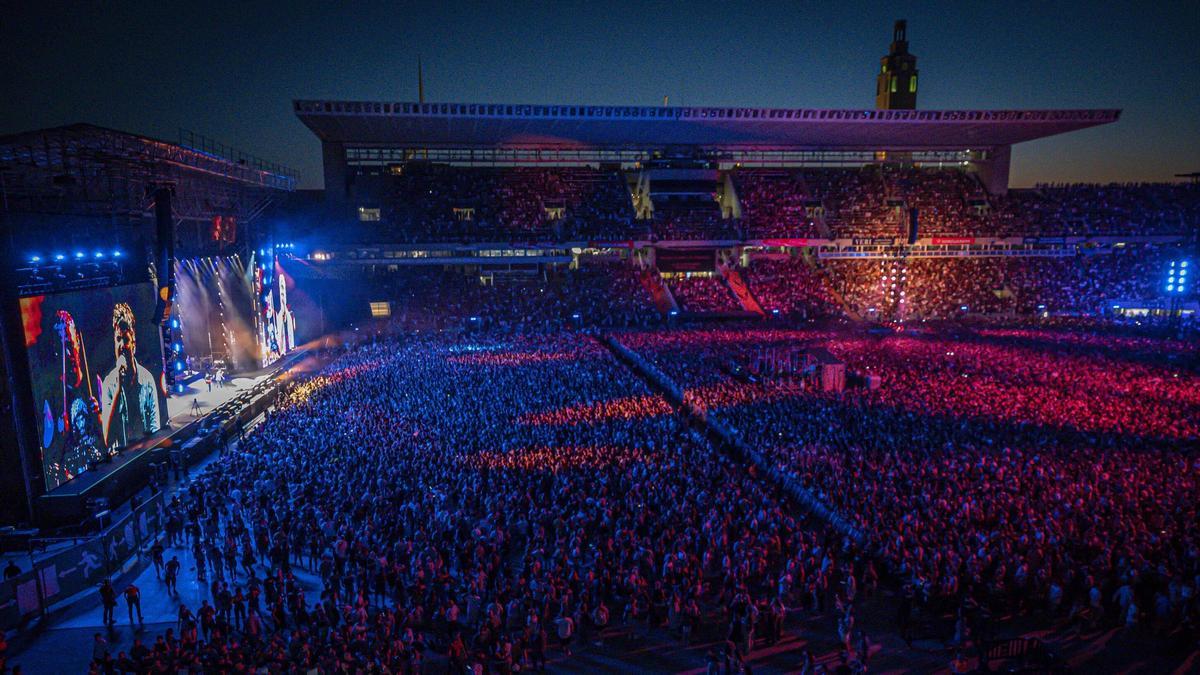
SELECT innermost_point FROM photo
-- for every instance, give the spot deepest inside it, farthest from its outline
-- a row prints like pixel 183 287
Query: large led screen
pixel 275 321
pixel 95 357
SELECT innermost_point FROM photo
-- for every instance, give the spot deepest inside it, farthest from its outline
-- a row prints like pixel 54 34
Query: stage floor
pixel 179 406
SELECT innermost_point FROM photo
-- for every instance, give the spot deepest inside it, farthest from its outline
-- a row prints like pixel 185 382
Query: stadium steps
pixel 741 290
pixel 664 301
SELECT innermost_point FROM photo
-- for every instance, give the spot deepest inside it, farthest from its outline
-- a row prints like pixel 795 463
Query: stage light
pixel 178 365
pixel 174 323
pixel 1170 288
pixel 117 254
pixel 35 259
pixel 99 254
pixel 58 256
pixel 78 254
pixel 1183 264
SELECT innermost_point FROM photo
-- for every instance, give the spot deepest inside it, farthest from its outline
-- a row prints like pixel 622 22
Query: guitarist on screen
pixel 80 421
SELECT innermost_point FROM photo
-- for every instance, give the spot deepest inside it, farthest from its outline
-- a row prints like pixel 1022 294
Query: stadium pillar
pixel 19 451
pixel 164 228
pixel 993 172
pixel 337 187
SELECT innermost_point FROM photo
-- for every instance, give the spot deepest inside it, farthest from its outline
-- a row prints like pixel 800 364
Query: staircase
pixel 741 290
pixel 664 302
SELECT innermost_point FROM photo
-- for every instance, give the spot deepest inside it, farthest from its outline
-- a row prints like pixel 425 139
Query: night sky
pixel 231 72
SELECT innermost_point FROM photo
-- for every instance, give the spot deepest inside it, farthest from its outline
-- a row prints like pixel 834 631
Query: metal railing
pixel 283 177
pixel 322 107
pixel 81 567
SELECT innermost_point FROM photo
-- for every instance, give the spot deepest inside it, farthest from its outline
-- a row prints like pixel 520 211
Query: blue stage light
pixel 99 254
pixel 78 254
pixel 174 323
pixel 179 365
pixel 35 259
pixel 117 254
pixel 59 256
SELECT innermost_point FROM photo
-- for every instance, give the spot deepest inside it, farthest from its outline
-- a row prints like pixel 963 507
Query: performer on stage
pixel 130 401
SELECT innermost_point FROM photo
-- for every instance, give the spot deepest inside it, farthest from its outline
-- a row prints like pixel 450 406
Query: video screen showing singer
pixel 130 401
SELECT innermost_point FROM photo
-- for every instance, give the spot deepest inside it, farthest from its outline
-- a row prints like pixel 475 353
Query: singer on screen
pixel 130 403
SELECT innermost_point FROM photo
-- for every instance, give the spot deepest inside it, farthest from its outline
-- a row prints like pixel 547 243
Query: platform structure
pixel 207 398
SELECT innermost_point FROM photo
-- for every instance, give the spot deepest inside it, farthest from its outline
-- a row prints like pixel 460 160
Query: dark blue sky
pixel 230 72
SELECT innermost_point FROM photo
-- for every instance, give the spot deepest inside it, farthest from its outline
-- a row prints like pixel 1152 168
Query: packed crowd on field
pixel 487 503
pixel 1014 469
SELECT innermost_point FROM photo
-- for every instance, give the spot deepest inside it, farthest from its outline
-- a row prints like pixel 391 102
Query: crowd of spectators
pixel 775 204
pixel 1014 470
pixel 855 202
pixel 792 287
pixel 433 202
pixel 692 220
pixel 487 503
pixel 700 293
pixel 1101 209
pixel 1084 282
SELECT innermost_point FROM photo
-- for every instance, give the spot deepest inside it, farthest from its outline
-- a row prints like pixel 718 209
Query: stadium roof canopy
pixel 476 125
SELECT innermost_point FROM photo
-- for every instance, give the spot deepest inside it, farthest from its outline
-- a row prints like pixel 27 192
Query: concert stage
pixel 245 398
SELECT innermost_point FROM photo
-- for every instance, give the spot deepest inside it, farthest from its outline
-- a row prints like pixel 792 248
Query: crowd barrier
pixel 732 440
pixel 82 566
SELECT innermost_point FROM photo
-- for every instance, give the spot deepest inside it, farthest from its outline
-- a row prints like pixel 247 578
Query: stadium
pixel 598 388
